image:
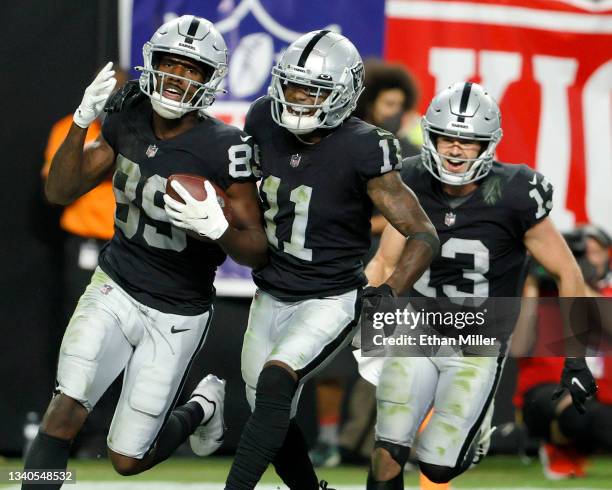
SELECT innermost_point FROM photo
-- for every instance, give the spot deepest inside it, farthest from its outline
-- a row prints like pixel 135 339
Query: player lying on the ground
pixel 487 215
pixel 148 307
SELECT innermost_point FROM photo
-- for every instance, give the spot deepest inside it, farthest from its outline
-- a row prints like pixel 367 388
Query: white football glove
pixel 204 217
pixel 95 97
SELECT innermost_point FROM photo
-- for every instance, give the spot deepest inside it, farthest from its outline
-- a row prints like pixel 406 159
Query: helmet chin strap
pixel 453 178
pixel 165 108
pixel 299 124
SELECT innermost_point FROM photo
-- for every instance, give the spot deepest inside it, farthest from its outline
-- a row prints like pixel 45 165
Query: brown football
pixel 194 184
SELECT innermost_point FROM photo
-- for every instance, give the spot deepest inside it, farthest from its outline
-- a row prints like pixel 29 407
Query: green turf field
pixel 206 474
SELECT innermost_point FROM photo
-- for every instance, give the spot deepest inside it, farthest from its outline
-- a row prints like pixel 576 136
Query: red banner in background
pixel 549 68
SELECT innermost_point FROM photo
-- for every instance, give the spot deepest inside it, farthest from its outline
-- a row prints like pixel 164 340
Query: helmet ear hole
pixel 207 71
pixel 155 55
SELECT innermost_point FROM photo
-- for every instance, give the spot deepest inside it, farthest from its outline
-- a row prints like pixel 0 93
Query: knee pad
pixel 152 389
pixel 80 352
pixel 85 335
pixel 275 388
pixel 399 453
pixel 395 383
pixel 439 474
pixel 396 483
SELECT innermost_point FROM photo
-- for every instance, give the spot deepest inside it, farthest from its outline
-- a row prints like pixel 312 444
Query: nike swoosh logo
pixel 576 381
pixel 534 181
pixel 245 138
pixel 177 330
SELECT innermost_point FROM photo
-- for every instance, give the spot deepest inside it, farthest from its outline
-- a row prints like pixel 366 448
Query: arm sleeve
pixel 377 152
pixel 412 170
pixel 534 198
pixel 236 161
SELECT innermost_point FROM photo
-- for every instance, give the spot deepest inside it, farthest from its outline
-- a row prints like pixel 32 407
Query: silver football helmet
pixel 329 67
pixel 194 38
pixel 464 110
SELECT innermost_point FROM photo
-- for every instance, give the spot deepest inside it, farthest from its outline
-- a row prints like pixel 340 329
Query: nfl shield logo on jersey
pixel 449 218
pixel 295 160
pixel 151 151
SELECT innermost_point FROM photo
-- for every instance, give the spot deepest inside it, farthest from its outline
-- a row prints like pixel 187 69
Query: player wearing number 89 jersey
pixel 148 306
pixel 487 215
pixel 321 172
pixel 174 271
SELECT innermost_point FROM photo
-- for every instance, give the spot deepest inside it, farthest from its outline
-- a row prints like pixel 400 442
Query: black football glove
pixel 374 295
pixel 578 380
pixel 372 298
pixel 125 97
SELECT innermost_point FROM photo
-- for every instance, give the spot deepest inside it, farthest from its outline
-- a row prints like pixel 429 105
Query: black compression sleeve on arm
pixel 429 239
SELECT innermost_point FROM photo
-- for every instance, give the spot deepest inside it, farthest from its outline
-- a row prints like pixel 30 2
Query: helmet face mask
pixel 194 95
pixel 463 111
pixel 191 38
pixel 328 68
pixel 301 118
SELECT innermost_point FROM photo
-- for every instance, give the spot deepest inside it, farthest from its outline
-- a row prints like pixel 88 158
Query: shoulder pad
pixel 413 171
pixel 125 97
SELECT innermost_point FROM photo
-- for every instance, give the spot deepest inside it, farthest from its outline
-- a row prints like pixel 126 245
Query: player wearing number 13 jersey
pixel 148 307
pixel 487 215
pixel 321 171
pixel 481 235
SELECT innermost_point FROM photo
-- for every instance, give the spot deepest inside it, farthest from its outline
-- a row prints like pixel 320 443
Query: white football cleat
pixel 208 436
pixel 484 437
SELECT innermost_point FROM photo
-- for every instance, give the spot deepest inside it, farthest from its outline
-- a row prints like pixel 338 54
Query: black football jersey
pixel 316 207
pixel 156 263
pixel 481 236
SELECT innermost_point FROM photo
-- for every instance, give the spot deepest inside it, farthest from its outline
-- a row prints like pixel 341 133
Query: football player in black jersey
pixel 488 215
pixel 148 307
pixel 321 171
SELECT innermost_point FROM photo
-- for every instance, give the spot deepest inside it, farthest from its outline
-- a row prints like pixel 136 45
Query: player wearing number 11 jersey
pixel 321 171
pixel 487 215
pixel 148 307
